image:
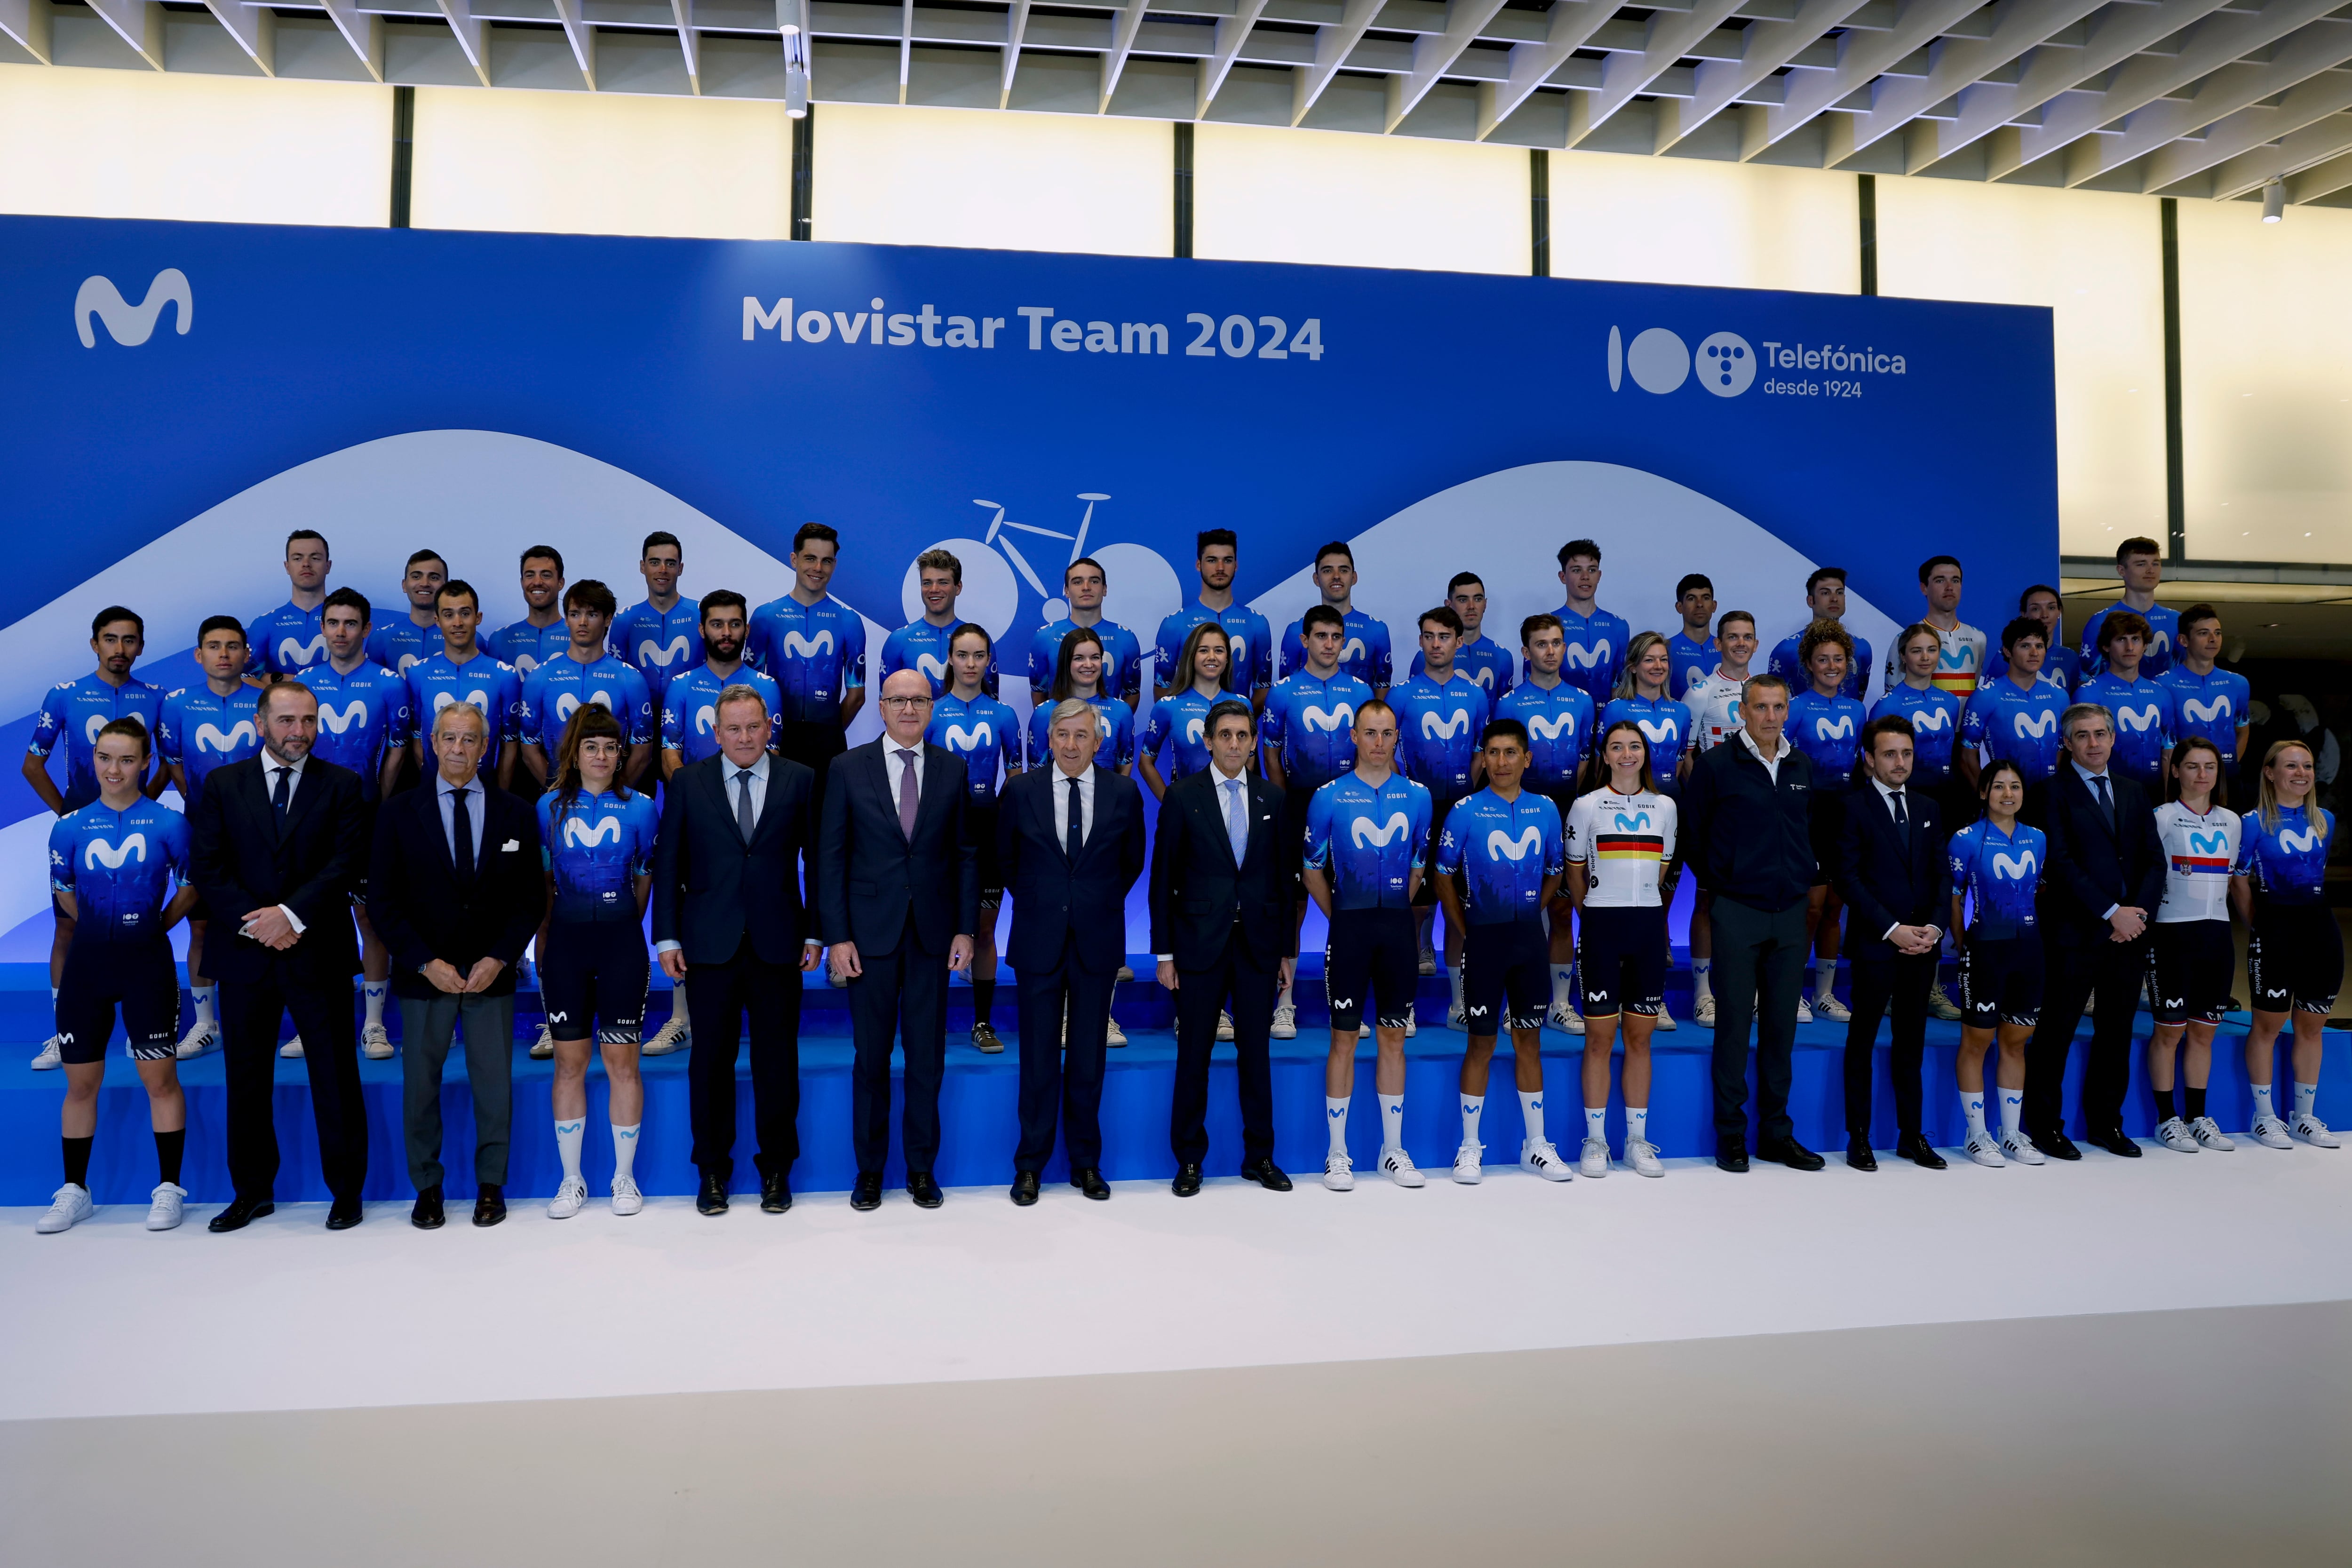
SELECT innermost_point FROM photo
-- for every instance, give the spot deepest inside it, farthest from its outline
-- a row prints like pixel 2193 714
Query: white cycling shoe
pixel 544 1047
pixel 673 1035
pixel 1830 1010
pixel 1467 1168
pixel 2208 1135
pixel 1595 1159
pixel 1565 1018
pixel 51 1055
pixel 375 1043
pixel 1702 1011
pixel 1339 1173
pixel 67 1210
pixel 569 1200
pixel 2019 1148
pixel 1225 1027
pixel 2313 1131
pixel 1286 1024
pixel 1398 1166
pixel 2271 1133
pixel 164 1205
pixel 2174 1134
pixel 203 1036
pixel 292 1049
pixel 1985 1149
pixel 1643 1155
pixel 627 1199
pixel 1538 1155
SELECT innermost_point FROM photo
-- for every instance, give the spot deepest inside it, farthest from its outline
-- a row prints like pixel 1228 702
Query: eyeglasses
pixel 906 702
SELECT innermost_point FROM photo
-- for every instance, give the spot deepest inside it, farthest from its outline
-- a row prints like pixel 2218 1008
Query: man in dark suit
pixel 1221 930
pixel 456 888
pixel 735 832
pixel 2100 890
pixel 278 843
pixel 898 895
pixel 1897 889
pixel 1069 840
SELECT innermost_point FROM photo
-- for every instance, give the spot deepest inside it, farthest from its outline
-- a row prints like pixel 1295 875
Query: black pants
pixel 2106 977
pixel 814 746
pixel 901 998
pixel 1250 984
pixel 1881 982
pixel 1063 1079
pixel 719 998
pixel 1759 970
pixel 250 1010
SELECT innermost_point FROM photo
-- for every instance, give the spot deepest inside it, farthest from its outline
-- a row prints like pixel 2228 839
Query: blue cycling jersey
pixel 1829 730
pixel 75 711
pixel 554 691
pixel 2212 705
pixel 1114 723
pixel 815 653
pixel 1691 663
pixel 983 733
pixel 361 716
pixel 1785 664
pixel 1935 716
pixel 1180 721
pixel 491 685
pixel 289 640
pixel 689 709
pixel 595 850
pixel 1559 718
pixel 1122 674
pixel 921 647
pixel 122 867
pixel 2287 864
pixel 1368 841
pixel 2062 667
pixel 659 644
pixel 2143 723
pixel 2154 659
pixel 1665 726
pixel 401 645
pixel 1363 650
pixel 1503 850
pixel 202 732
pixel 1253 658
pixel 2020 726
pixel 527 646
pixel 1996 873
pixel 1311 724
pixel 1596 651
pixel 1437 730
pixel 1486 663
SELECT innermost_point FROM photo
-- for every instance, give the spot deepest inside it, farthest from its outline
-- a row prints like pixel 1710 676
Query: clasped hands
pixel 445 976
pixel 846 966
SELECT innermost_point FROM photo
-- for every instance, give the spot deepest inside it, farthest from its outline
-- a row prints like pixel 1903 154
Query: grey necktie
pixel 907 796
pixel 1238 819
pixel 744 820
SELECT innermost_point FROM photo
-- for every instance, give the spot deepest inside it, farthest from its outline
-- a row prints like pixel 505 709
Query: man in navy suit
pixel 1892 876
pixel 1069 840
pixel 898 895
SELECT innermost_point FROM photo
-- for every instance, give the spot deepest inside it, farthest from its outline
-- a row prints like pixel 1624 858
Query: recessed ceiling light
pixel 2273 625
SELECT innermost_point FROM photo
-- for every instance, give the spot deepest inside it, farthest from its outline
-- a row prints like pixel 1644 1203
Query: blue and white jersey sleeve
pixel 55 719
pixel 982 732
pixel 1369 842
pixel 1560 728
pixel 2000 874
pixel 122 868
pixel 1180 721
pixel 1935 716
pixel 2286 864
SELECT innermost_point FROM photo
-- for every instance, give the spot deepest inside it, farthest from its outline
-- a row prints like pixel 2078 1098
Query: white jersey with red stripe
pixel 2199 850
pixel 1714 703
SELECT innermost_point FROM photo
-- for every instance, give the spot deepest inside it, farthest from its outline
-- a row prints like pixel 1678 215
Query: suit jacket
pixel 871 880
pixel 2094 866
pixel 1884 883
pixel 417 907
pixel 1199 894
pixel 712 890
pixel 242 861
pixel 1054 900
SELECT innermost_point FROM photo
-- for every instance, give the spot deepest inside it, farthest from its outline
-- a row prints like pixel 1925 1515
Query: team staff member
pixel 288 639
pixel 2015 717
pixel 1222 932
pixel 2194 959
pixel 1440 712
pixel 1620 841
pixel 1997 864
pixel 1087 585
pixel 1824 601
pixel 1217 558
pixel 1826 724
pixel 121 864
pixel 1477 656
pixel 1180 721
pixel 2207 700
pixel 1891 872
pixel 1691 650
pixel 1715 719
pixel 75 712
pixel 1746 809
pixel 1959 648
pixel 1914 694
pixel 1309 739
pixel 583 671
pixel 1083 673
pixel 1596 639
pixel 1367 848
pixel 2140 562
pixel 400 645
pixel 813 645
pixel 983 734
pixel 541 634
pixel 1558 719
pixel 596 835
pixel 1364 642
pixel 462 672
pixel 199 730
pixel 2142 709
pixel 2062 665
pixel 926 643
pixel 2294 958
pixel 660 638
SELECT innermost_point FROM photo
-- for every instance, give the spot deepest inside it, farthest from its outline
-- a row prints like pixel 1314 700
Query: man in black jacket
pixel 2102 888
pixel 456 888
pixel 277 842
pixel 1745 814
pixel 1221 928
pixel 1897 891
pixel 898 895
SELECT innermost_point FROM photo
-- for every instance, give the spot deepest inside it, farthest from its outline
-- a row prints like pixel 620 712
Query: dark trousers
pixel 1759 970
pixel 1062 1079
pixel 1201 995
pixel 2106 977
pixel 250 1010
pixel 814 746
pixel 426 1025
pixel 1882 982
pixel 902 997
pixel 719 997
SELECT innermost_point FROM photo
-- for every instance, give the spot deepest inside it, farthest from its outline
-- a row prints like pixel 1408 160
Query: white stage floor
pixel 108 1320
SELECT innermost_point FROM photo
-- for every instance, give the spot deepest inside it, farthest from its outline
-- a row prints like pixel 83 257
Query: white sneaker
pixel 163 1207
pixel 1339 1173
pixel 1666 1023
pixel 1643 1155
pixel 374 1043
pixel 1286 1023
pixel 1804 1010
pixel 569 1200
pixel 292 1049
pixel 1364 1031
pixel 1539 1156
pixel 2209 1136
pixel 67 1209
pixel 1831 1009
pixel 1428 961
pixel 2174 1134
pixel 203 1036
pixel 2019 1148
pixel 673 1035
pixel 1225 1027
pixel 1412 1023
pixel 1595 1159
pixel 1941 1005
pixel 544 1047
pixel 1457 1017
pixel 2271 1133
pixel 1467 1167
pixel 1702 1011
pixel 1565 1018
pixel 627 1199
pixel 1984 1149
pixel 2313 1131
pixel 1125 974
pixel 1116 1035
pixel 1400 1168
pixel 52 1055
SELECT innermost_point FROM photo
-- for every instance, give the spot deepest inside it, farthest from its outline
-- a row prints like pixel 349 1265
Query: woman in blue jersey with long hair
pixel 598 836
pixel 1826 725
pixel 1179 719
pixel 1997 863
pixel 2295 959
pixel 982 732
pixel 1080 670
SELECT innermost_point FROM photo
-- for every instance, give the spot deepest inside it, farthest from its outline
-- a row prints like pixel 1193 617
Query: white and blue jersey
pixel 1503 850
pixel 1311 724
pixel 1437 730
pixel 2142 724
pixel 1558 719
pixel 922 648
pixel 689 710
pixel 401 646
pixel 1363 650
pixel 2286 864
pixel 1665 726
pixel 361 716
pixel 659 644
pixel 1828 730
pixel 554 691
pixel 1485 664
pixel 982 732
pixel 527 646
pixel 1935 716
pixel 1251 635
pixel 75 710
pixel 2212 705
pixel 815 653
pixel 1368 841
pixel 122 867
pixel 1785 664
pixel 1114 726
pixel 1181 721
pixel 289 640
pixel 201 731
pixel 490 686
pixel 2062 667
pixel 1996 873
pixel 1596 651
pixel 2164 628
pixel 1690 663
pixel 2018 726
pixel 1122 674
pixel 596 850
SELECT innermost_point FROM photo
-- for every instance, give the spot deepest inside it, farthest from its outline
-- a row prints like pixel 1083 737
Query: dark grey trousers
pixel 426 1027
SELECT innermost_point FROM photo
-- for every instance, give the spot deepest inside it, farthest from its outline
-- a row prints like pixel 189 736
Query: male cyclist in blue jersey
pixel 402 643
pixel 923 643
pixel 1440 713
pixel 287 641
pixel 201 727
pixel 1484 662
pixel 1084 583
pixel 659 638
pixel 689 704
pixel 1691 652
pixel 541 634
pixel 2014 715
pixel 1824 601
pixel 1595 638
pixel 1364 650
pixel 585 670
pixel 814 647
pixel 2140 562
pixel 1217 558
pixel 1309 739
pixel 463 672
pixel 1560 722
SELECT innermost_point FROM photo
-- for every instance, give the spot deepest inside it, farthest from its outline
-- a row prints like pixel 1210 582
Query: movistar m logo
pixel 1544 729
pixel 2141 720
pixel 2298 840
pixel 340 721
pixel 130 324
pixel 1931 718
pixel 654 653
pixel 2019 868
pixel 1336 719
pixel 478 698
pixel 1369 835
pixel 1355 649
pixel 569 703
pixel 978 738
pixel 1591 658
pixel 2209 842
pixel 210 738
pixel 292 652
pixel 1838 729
pixel 1433 728
pixel 2198 713
pixel 102 853
pixel 1954 658
pixel 1192 732
pixel 1502 846
pixel 1657 734
pixel 89 730
pixel 932 669
pixel 798 647
pixel 704 717
pixel 580 834
pixel 2036 726
pixel 1633 824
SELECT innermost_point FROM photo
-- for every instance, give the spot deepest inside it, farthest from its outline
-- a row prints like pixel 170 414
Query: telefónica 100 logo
pixel 1659 361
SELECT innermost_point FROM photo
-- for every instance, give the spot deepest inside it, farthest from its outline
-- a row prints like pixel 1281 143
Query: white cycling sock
pixel 568 1135
pixel 1392 1122
pixel 1972 1107
pixel 2263 1111
pixel 204 996
pixel 625 1150
pixel 1473 1105
pixel 2306 1098
pixel 373 993
pixel 1531 1111
pixel 1335 1118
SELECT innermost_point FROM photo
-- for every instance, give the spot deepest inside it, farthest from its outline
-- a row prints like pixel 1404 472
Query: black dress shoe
pixel 343 1214
pixel 712 1198
pixel 1266 1174
pixel 489 1205
pixel 2115 1141
pixel 867 1193
pixel 1731 1157
pixel 1792 1153
pixel 425 1214
pixel 1024 1188
pixel 1188 1179
pixel 1915 1147
pixel 776 1194
pixel 240 1213
pixel 2055 1145
pixel 923 1190
pixel 1858 1153
pixel 1089 1182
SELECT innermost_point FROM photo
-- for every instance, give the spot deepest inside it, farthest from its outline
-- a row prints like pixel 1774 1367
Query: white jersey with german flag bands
pixel 2199 850
pixel 1621 840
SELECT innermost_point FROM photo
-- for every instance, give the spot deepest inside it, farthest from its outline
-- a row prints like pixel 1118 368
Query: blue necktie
pixel 1238 819
pixel 281 796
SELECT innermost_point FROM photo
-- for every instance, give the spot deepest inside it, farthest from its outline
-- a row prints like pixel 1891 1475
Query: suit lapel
pixel 306 796
pixel 431 794
pixel 718 786
pixel 2091 797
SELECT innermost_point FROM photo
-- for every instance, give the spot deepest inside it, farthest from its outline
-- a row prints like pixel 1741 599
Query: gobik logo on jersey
pixel 1659 361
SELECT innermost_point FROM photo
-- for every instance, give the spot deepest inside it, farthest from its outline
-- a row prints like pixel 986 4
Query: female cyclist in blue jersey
pixel 1826 725
pixel 1079 670
pixel 2295 959
pixel 1179 719
pixel 1997 863
pixel 597 834
pixel 982 732
pixel 1621 841
pixel 2193 959
pixel 1641 699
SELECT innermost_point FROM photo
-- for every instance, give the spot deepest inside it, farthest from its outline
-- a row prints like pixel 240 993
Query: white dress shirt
pixel 446 796
pixel 1887 795
pixel 898 765
pixel 1085 784
pixel 1771 763
pixel 758 772
pixel 2114 805
pixel 270 768
pixel 1224 782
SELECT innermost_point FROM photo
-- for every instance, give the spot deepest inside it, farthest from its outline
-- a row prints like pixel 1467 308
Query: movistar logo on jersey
pixel 1591 658
pixel 2036 726
pixel 2209 842
pixel 292 652
pixel 1238 659
pixel 1336 719
pixel 568 704
pixel 2198 712
pixel 2017 867
pixel 932 669
pixel 1931 718
pixel 102 853
pixel 1433 728
pixel 209 738
pixel 2298 840
pixel 1501 845
pixel 340 721
pixel 580 834
pixel 1369 835
pixel 1192 732
pixel 1636 823
pixel 526 662
pixel 2139 719
pixel 704 717
pixel 89 730
pixel 978 738
pixel 1483 678
pixel 1544 729
pixel 1838 729
pixel 1658 735
pixel 651 652
pixel 1355 649
pixel 478 698
pixel 798 647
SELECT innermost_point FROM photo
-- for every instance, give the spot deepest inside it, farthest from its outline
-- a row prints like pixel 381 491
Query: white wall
pixel 1263 194
pixel 1685 220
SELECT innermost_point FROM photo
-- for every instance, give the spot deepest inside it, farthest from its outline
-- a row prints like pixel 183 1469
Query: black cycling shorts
pixel 2001 981
pixel 1508 963
pixel 979 821
pixel 1620 960
pixel 2295 955
pixel 1439 804
pixel 136 977
pixel 1290 842
pixel 2191 966
pixel 592 980
pixel 1371 953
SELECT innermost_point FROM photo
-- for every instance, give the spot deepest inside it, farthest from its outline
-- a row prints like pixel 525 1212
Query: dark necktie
pixel 461 837
pixel 282 794
pixel 1902 820
pixel 744 820
pixel 2106 800
pixel 908 796
pixel 1076 838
